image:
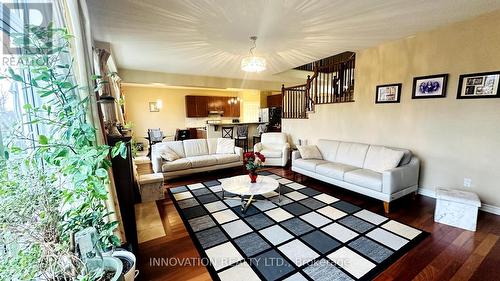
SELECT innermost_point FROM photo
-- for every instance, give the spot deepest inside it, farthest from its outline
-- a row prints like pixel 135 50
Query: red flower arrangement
pixel 253 161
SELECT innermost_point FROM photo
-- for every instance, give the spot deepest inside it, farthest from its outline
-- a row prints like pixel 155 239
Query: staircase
pixel 332 82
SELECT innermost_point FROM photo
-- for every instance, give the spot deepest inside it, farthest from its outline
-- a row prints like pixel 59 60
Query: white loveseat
pixel 351 166
pixel 196 155
pixel 275 147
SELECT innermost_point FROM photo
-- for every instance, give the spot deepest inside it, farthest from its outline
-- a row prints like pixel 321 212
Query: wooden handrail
pixel 332 83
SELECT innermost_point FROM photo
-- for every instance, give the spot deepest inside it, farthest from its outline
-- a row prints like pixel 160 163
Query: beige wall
pixel 171 79
pixel 250 105
pixel 171 116
pixel 453 138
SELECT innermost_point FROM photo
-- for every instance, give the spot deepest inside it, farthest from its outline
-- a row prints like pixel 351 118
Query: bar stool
pixel 262 128
pixel 242 136
pixel 227 132
pixel 181 135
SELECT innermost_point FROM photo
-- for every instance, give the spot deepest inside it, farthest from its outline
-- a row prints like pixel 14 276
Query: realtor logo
pixel 16 19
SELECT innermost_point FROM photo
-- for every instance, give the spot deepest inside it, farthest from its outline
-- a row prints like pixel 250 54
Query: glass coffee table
pixel 241 186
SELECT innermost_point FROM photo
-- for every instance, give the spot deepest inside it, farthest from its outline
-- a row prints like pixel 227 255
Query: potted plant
pixel 129 263
pixel 253 161
pixel 53 181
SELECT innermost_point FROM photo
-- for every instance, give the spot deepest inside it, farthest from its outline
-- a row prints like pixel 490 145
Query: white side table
pixel 457 208
pixel 241 186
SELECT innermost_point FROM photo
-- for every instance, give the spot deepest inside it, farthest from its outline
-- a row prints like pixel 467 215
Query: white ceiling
pixel 209 37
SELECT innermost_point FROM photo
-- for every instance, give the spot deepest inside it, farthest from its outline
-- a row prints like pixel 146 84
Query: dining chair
pixel 155 135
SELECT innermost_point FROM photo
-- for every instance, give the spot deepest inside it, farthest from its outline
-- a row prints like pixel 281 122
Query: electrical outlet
pixel 467 182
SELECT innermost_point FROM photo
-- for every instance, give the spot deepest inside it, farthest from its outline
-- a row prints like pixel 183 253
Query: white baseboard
pixel 484 207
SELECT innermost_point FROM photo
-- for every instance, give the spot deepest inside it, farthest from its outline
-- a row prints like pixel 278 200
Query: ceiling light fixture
pixel 234 100
pixel 253 63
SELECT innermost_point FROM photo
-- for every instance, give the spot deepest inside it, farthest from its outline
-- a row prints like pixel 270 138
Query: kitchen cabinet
pixel 274 100
pixel 234 110
pixel 215 104
pixel 197 106
pixel 200 106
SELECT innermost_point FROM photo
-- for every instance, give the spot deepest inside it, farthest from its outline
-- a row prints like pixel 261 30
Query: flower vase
pixel 253 176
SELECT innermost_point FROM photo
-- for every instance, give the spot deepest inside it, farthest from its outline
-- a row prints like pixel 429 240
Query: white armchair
pixel 275 148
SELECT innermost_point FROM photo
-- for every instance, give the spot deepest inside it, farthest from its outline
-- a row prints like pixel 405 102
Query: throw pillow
pixel 225 146
pixel 168 154
pixel 389 159
pixel 309 152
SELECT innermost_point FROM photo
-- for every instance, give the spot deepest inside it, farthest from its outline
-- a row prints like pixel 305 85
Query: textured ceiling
pixel 209 37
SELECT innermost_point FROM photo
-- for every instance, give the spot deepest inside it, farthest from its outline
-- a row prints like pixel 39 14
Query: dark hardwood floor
pixel 447 254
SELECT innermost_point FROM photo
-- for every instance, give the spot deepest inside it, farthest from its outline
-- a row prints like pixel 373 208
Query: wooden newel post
pixel 283 100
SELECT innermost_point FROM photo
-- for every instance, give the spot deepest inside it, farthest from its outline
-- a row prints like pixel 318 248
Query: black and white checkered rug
pixel 309 235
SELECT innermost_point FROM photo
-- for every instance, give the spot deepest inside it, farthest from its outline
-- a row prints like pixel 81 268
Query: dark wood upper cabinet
pixel 234 110
pixel 197 106
pixel 274 100
pixel 200 106
pixel 215 104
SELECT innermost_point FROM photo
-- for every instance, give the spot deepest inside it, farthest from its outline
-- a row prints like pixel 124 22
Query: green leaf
pixel 43 140
pixel 116 149
pixel 115 240
pixel 102 173
pixel 18 78
pixel 123 151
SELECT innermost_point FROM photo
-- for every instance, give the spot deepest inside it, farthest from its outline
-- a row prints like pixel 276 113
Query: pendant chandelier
pixel 253 63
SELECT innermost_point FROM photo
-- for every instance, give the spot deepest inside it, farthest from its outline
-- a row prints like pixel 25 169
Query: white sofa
pixel 275 147
pixel 345 164
pixel 197 155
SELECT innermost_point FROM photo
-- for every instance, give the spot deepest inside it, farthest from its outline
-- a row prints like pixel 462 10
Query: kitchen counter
pixel 214 130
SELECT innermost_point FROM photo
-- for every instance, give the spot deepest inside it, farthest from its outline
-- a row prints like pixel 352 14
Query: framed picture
pixel 390 93
pixel 479 85
pixel 432 86
pixel 153 107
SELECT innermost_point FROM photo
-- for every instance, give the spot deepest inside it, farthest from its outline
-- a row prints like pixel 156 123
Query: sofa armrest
pixel 239 151
pixel 295 155
pixel 257 147
pixel 285 154
pixel 399 178
pixel 156 161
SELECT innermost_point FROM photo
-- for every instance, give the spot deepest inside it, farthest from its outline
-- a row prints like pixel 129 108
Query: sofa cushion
pixel 226 158
pixel 195 147
pixel 225 146
pixel 406 157
pixel 328 149
pixel 212 145
pixel 202 161
pixel 334 170
pixel 379 158
pixel 271 153
pixel 273 138
pixel 309 152
pixel 308 164
pixel 179 164
pixel 168 154
pixel 176 146
pixel 351 153
pixel 365 178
